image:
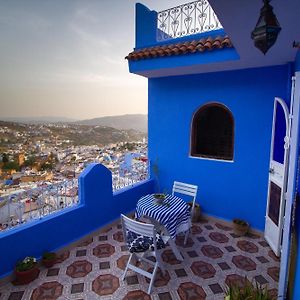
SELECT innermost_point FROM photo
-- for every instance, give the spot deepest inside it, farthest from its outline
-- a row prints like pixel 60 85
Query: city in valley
pixel 40 164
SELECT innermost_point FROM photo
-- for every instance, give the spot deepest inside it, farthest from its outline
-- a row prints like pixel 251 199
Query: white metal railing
pixel 137 173
pixel 21 207
pixel 186 19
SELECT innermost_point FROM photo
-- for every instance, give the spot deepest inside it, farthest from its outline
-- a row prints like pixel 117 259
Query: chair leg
pixel 186 236
pixel 152 278
pixel 126 269
pixel 160 263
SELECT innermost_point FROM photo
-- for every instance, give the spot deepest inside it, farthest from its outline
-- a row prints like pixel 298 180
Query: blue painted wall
pixel 145 26
pixel 226 189
pixel 98 207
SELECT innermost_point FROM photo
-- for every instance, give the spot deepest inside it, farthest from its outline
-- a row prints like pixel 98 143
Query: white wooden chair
pixel 188 190
pixel 142 241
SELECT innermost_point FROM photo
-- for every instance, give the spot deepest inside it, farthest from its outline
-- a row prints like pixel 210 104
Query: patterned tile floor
pixel 214 256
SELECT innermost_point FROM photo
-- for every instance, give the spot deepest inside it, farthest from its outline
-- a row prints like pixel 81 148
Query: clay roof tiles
pixel 204 44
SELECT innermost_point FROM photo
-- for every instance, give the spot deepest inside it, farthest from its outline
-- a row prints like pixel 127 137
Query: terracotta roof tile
pixel 204 44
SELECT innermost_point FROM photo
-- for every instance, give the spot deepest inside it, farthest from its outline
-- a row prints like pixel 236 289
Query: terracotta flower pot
pixel 48 263
pixel 49 259
pixel 240 227
pixel 25 277
pixel 197 212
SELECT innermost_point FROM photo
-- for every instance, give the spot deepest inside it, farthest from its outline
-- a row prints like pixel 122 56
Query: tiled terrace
pixel 214 256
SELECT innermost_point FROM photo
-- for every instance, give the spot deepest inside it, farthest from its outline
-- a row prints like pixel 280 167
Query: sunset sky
pixel 66 58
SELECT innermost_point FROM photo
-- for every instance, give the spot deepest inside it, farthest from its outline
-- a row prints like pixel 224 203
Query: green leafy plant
pixel 49 255
pixel 160 196
pixel 26 264
pixel 247 291
pixel 240 222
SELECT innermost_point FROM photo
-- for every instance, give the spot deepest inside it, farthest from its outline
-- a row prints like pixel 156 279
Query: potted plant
pixel 240 227
pixel 49 259
pixel 247 290
pixel 26 270
pixel 197 211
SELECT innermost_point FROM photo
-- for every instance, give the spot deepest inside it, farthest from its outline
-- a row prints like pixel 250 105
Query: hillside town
pixel 40 165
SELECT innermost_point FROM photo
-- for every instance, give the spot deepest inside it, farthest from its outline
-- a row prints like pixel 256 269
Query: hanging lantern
pixel 267 28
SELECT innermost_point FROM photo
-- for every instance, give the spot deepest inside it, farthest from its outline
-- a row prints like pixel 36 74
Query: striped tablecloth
pixel 174 213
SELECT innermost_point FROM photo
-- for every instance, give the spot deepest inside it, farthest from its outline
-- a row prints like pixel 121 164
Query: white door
pixel 277 175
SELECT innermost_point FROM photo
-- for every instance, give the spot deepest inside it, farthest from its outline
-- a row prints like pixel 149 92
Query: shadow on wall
pixel 98 207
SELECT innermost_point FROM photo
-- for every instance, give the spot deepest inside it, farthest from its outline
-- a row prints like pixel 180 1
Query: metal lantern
pixel 267 28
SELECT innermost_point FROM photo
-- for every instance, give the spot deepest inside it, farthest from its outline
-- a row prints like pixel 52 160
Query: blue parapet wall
pixel 98 207
pixel 227 190
pixel 145 26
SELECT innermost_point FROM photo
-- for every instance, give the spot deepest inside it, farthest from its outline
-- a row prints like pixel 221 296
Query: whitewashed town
pixel 40 165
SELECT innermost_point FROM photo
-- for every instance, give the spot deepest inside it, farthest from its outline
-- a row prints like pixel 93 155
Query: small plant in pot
pixel 240 227
pixel 49 259
pixel 247 290
pixel 197 211
pixel 26 270
pixel 159 198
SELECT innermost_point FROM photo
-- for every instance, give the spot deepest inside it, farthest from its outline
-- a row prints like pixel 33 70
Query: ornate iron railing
pixel 191 18
pixel 21 207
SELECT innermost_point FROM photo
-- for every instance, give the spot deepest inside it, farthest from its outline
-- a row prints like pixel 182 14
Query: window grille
pixel 213 132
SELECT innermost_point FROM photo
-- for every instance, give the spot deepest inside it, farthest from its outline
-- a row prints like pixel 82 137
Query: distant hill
pixel 136 122
pixel 38 120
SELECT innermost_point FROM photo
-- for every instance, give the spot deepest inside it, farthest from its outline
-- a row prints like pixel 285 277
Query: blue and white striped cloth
pixel 174 213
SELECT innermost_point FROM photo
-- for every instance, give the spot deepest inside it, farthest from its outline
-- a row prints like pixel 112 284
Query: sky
pixel 65 58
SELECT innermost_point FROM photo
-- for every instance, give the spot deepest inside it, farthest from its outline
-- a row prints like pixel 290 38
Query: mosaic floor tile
pixel 164 296
pixel 104 265
pixel 213 258
pixel 122 261
pixel 224 266
pixel 274 273
pixel 169 257
pixel 80 253
pixel 105 284
pixel 244 263
pixel 79 268
pixel 223 227
pixel 216 288
pixel 212 251
pixel 180 242
pixel 137 295
pixel 16 295
pixel 62 257
pixel 102 238
pixel 230 249
pixel 218 237
pixel 161 279
pixel 203 269
pixel 260 279
pixel 190 290
pixel 86 242
pixel 180 272
pixel 192 254
pixel 53 272
pixel 104 250
pixel 132 280
pixel 48 290
pixel 77 288
pixel 247 246
pixel 262 259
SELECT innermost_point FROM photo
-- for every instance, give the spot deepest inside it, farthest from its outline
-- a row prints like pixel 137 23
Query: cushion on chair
pixel 141 243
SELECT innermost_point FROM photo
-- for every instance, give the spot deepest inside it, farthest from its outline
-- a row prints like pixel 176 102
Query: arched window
pixel 213 132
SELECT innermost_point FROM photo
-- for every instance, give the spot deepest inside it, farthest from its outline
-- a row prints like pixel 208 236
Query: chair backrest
pixel 185 189
pixel 137 227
